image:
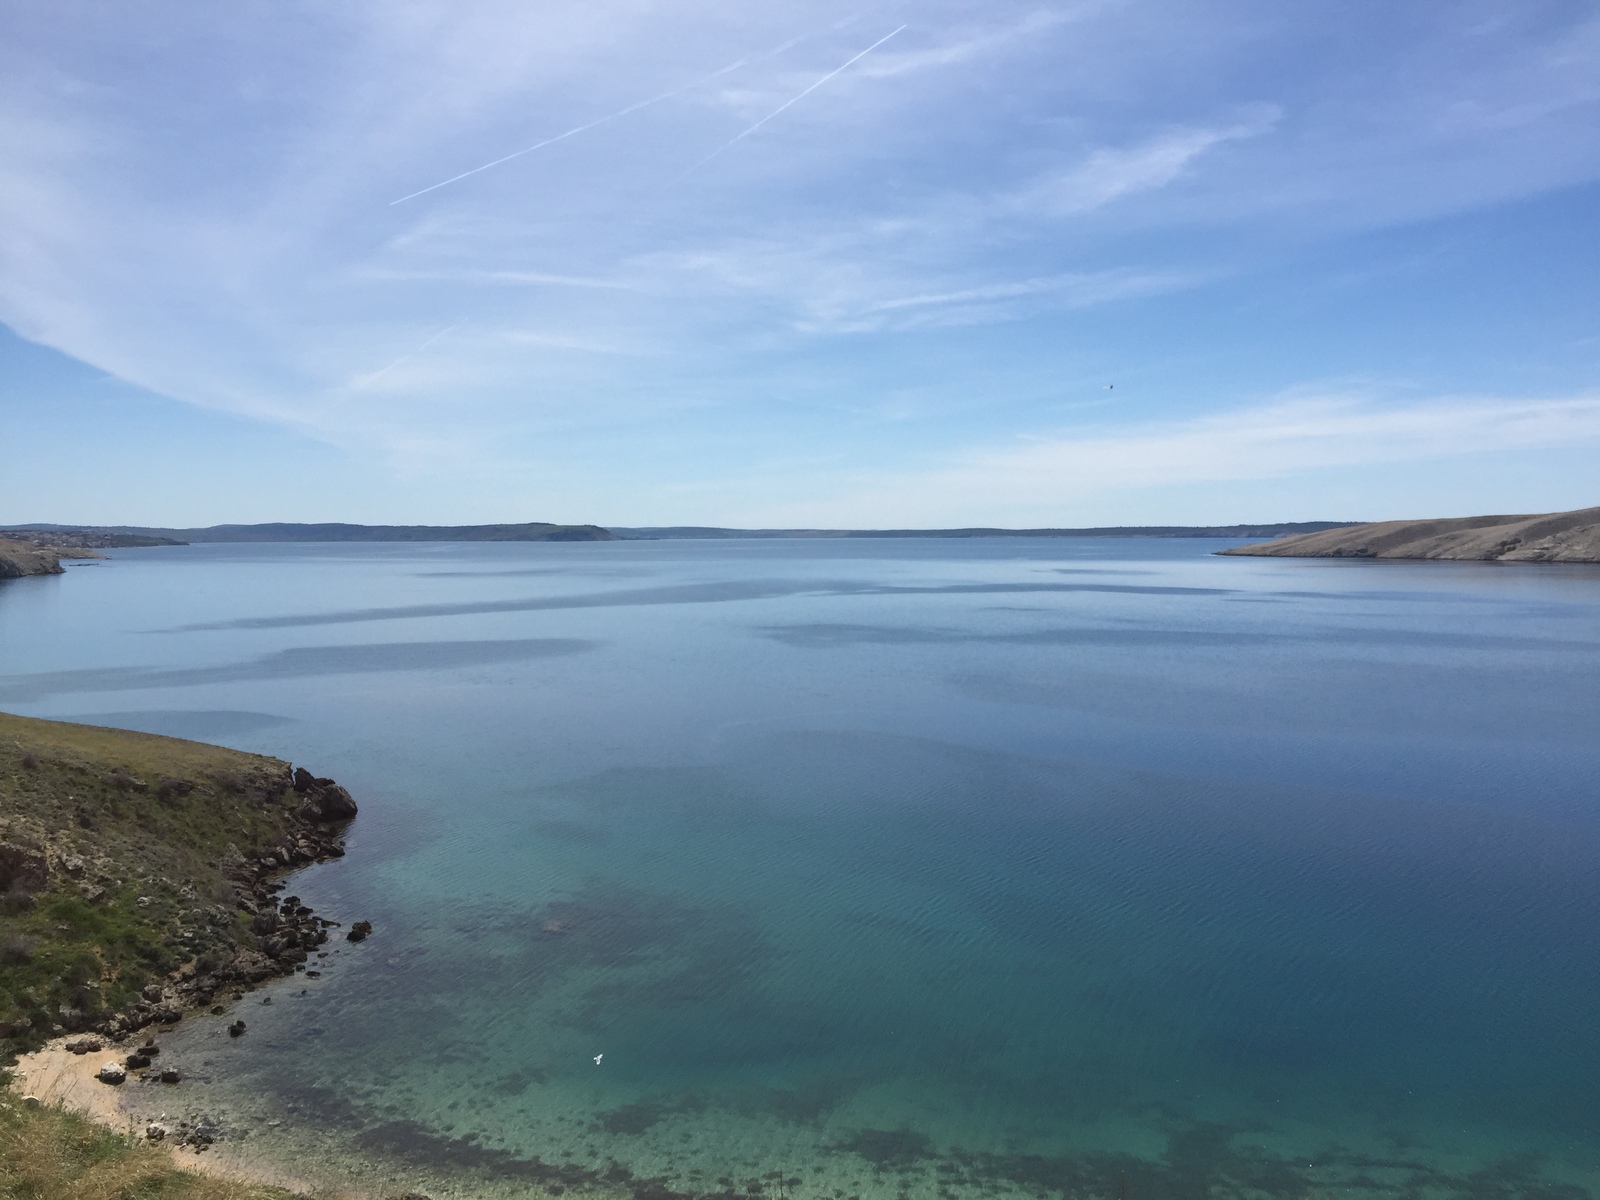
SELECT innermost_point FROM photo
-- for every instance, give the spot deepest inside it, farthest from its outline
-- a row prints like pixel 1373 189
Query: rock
pixel 155 1132
pixel 136 1061
pixel 360 931
pixel 236 1029
pixel 111 1073
pixel 169 788
pixel 85 1046
pixel 32 1102
pixel 330 803
pixel 72 864
pixel 169 1075
pixel 92 892
pixel 22 869
pixel 149 1048
pixel 151 992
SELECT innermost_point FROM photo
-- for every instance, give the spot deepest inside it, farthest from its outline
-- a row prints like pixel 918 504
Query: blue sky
pixel 1334 261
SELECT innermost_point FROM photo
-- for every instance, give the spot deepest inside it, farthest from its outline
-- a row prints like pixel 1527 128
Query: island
pixel 1566 537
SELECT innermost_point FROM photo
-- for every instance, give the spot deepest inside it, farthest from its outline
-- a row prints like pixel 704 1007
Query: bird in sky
pixel 597 1059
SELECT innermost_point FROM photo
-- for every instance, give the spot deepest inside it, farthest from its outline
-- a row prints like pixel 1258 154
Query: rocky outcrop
pixel 323 800
pixel 1570 537
pixel 18 560
pixel 149 831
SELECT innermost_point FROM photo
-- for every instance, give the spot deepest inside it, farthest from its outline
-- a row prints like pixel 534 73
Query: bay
pixel 924 867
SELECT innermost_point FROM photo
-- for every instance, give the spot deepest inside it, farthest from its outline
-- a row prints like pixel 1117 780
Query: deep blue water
pixel 899 868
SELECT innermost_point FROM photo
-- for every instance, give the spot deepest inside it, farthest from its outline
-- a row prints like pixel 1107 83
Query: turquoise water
pixel 896 869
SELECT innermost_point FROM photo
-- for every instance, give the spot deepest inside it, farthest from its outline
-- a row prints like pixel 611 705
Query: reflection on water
pixel 868 884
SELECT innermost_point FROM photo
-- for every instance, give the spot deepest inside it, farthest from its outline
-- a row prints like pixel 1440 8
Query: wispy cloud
pixel 1051 473
pixel 1112 172
pixel 196 199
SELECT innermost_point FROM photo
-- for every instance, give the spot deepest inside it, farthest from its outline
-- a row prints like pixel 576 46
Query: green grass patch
pixel 114 855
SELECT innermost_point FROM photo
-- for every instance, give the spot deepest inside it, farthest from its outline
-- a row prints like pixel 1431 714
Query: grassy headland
pixel 136 876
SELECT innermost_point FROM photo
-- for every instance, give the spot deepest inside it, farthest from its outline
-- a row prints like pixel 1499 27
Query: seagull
pixel 597 1059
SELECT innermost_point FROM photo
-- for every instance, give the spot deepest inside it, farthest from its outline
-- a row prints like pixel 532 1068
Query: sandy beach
pixel 55 1075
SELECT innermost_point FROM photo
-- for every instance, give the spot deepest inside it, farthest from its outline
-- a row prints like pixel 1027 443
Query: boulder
pixel 22 869
pixel 327 802
pixel 111 1073
pixel 169 788
pixel 360 931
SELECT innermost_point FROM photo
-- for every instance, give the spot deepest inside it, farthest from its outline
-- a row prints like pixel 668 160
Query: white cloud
pixel 1035 481
pixel 1110 173
pixel 210 218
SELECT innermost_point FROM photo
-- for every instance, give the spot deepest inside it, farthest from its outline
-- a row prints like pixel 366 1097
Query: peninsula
pixel 1568 537
pixel 138 877
pixel 21 557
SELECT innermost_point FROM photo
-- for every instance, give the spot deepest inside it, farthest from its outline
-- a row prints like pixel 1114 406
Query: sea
pixel 910 869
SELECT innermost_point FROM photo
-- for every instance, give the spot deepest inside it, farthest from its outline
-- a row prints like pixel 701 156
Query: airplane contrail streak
pixel 409 354
pixel 787 104
pixel 621 112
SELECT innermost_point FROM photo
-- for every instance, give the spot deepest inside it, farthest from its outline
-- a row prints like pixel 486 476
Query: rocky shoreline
pixel 1569 537
pixel 126 900
pixel 288 931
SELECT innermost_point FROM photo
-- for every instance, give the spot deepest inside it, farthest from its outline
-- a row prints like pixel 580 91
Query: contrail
pixel 621 112
pixel 788 103
pixel 409 354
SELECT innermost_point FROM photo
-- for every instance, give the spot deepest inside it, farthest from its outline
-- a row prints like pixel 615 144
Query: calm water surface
pixel 896 869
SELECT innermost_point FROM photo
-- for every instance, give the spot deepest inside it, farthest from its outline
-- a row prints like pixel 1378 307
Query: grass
pixel 138 832
pixel 51 1154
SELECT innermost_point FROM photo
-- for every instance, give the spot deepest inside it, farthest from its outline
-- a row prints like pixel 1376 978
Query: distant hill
pixel 280 531
pixel 674 532
pixel 1569 537
pixel 539 531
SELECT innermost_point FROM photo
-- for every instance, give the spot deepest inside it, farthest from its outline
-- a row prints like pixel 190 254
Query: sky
pixel 844 263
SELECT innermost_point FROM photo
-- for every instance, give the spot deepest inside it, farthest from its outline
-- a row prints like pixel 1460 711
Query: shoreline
pixel 54 1075
pixel 123 849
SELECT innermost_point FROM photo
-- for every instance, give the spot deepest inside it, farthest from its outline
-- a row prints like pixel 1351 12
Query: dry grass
pixel 52 1154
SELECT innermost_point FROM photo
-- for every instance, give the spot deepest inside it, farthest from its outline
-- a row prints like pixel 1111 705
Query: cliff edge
pixel 17 560
pixel 139 876
pixel 1569 537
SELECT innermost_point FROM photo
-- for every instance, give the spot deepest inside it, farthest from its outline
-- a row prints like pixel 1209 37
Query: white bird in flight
pixel 597 1059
